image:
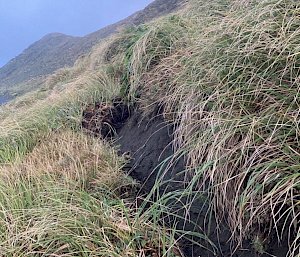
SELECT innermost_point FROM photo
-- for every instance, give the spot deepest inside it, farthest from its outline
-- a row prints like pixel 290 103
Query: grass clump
pixel 63 199
pixel 62 106
pixel 225 73
pixel 141 49
pixel 231 88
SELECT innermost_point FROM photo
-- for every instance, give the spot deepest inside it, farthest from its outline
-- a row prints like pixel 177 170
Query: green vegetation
pixel 63 199
pixel 227 76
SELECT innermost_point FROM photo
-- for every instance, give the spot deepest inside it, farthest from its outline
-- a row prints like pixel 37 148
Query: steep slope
pixel 55 51
pixel 205 85
pixel 42 57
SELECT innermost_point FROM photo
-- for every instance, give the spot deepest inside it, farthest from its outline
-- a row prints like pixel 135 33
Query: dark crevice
pixel 148 142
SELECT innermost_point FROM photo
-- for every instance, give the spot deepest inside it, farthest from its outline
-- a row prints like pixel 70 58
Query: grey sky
pixel 23 22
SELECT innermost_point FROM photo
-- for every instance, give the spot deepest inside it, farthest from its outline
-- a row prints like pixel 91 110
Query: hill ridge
pixel 57 50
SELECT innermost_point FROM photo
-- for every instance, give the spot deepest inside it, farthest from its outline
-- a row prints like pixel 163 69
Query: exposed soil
pixel 148 142
pixel 104 119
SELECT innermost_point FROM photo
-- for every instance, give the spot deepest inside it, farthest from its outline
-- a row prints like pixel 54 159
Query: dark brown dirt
pixel 104 119
pixel 148 142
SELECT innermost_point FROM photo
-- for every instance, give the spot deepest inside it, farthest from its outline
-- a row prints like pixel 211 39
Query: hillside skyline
pixel 27 22
pixel 171 133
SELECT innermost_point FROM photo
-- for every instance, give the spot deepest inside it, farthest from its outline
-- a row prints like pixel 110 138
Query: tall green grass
pixel 229 83
pixel 64 199
pixel 226 75
pixel 62 107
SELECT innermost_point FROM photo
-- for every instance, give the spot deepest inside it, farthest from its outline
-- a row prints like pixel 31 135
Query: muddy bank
pixel 105 119
pixel 148 143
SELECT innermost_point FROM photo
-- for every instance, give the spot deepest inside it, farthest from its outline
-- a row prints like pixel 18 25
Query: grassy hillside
pixel 27 71
pixel 225 74
pixel 63 199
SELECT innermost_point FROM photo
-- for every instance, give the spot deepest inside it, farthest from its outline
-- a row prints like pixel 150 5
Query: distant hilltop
pixel 56 50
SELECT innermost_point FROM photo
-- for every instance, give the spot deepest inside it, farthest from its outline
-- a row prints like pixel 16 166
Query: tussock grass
pixel 226 75
pixel 63 199
pixel 62 107
pixel 139 50
pixel 229 83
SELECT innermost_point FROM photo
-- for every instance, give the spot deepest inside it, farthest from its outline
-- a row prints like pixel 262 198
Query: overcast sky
pixel 23 22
